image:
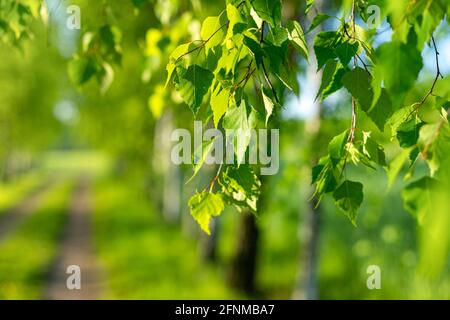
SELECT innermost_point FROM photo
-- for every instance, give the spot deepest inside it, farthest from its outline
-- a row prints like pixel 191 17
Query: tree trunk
pixel 243 269
pixel 210 243
pixel 307 286
pixel 169 174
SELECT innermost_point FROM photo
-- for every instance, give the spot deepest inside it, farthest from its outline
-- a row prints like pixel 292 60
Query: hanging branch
pixel 351 136
pixel 438 75
pixel 266 74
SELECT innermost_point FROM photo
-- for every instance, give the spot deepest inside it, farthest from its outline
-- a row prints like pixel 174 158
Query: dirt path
pixel 76 249
pixel 14 217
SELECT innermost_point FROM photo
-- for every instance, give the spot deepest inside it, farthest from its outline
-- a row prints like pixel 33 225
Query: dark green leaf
pixel 349 197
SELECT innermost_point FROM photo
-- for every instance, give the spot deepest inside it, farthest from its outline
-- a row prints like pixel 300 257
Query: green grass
pixel 143 257
pixel 13 192
pixel 26 256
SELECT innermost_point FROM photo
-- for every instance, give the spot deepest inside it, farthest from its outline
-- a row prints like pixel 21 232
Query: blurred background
pixel 86 179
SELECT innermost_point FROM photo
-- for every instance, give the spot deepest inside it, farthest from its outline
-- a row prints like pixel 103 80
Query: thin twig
pixel 430 92
pixel 353 126
pixel 365 65
pixel 204 42
pixel 266 74
pixel 211 186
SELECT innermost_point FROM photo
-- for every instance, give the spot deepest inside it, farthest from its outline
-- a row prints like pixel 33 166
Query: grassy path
pixel 143 257
pixel 13 218
pixel 76 250
pixel 26 255
pixel 13 192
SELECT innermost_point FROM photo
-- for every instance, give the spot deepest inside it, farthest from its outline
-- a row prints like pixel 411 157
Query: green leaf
pixel 349 197
pixel 327 76
pixel 324 176
pixel 417 196
pixel 358 83
pixel 234 18
pixel 176 54
pixel 255 48
pixel 219 103
pixel 297 38
pixel 212 31
pixel 434 144
pixel 243 185
pixel 193 84
pixel 277 36
pixel 346 51
pixel 81 70
pixel 236 121
pixel 110 38
pixel 324 45
pixel 200 155
pixel 408 133
pixel 309 4
pixel 429 21
pixel 399 117
pixel 317 21
pixel 336 147
pixel 106 77
pixel 268 10
pixel 399 65
pixel 373 150
pixel 396 165
pixel 336 82
pixel 382 110
pixel 288 78
pixel 268 102
pixel 204 206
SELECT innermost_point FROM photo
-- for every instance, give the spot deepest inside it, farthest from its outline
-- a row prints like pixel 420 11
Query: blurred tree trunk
pixel 210 242
pixel 307 286
pixel 169 174
pixel 243 268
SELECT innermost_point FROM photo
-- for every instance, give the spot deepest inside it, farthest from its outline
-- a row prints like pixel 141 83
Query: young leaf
pixel 204 206
pixel 309 4
pixel 234 17
pixel 268 102
pixel 200 155
pixel 219 103
pixel 236 122
pixel 297 38
pixel 213 32
pixel 336 148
